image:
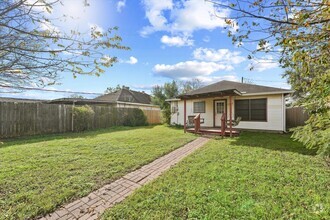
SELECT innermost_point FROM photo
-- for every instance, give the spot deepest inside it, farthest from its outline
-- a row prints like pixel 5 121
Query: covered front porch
pixel 214 131
pixel 218 114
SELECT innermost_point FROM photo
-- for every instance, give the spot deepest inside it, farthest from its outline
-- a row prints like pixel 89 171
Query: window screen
pixel 251 109
pixel 199 107
pixel 258 109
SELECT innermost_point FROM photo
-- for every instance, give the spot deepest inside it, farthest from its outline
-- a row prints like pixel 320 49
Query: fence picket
pixel 295 116
pixel 22 119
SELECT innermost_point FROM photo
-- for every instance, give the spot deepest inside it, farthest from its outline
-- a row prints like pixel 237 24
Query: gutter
pixel 268 93
pixel 173 99
pixel 133 103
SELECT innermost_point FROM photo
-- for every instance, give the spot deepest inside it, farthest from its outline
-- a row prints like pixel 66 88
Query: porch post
pixel 185 115
pixel 230 116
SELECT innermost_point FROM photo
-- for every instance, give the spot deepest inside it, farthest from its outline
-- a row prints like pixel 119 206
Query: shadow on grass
pixel 277 142
pixel 70 135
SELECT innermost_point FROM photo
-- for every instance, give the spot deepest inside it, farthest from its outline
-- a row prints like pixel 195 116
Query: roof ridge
pixel 139 92
pixel 242 87
pixel 132 93
pixel 254 84
pixel 121 91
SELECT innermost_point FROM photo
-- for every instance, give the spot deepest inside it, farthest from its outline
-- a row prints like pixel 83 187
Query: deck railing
pixel 223 123
pixel 197 122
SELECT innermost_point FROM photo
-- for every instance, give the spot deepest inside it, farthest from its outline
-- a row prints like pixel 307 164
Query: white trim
pixel 267 93
pixel 243 94
pixel 133 103
pixel 171 100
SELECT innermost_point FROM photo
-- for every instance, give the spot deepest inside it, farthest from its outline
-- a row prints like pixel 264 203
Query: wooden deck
pixel 214 131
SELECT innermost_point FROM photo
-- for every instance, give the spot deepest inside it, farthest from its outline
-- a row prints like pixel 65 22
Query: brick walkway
pixel 93 205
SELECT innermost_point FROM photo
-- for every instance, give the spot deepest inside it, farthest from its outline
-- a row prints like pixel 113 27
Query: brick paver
pixel 93 205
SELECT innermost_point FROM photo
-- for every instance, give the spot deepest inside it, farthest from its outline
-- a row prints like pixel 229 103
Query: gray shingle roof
pixel 243 88
pixel 126 95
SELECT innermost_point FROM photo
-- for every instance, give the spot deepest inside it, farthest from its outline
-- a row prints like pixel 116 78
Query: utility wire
pixel 49 90
pixel 248 79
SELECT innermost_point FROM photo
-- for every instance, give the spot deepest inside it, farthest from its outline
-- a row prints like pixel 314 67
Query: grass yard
pixel 254 176
pixel 39 174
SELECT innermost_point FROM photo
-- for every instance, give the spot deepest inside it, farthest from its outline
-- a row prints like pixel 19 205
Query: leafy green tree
pixel 34 48
pixel 160 94
pixel 296 34
pixel 76 96
pixel 172 90
pixel 187 86
pixel 113 89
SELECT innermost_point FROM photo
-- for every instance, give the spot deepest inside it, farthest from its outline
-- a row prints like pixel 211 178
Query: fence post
pixel 72 117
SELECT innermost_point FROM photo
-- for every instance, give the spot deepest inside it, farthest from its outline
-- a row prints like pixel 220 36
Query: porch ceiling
pixel 229 92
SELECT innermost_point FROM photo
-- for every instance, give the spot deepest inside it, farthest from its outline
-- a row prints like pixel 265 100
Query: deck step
pixel 213 131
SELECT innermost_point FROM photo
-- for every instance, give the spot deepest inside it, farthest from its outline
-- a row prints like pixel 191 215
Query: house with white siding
pixel 219 105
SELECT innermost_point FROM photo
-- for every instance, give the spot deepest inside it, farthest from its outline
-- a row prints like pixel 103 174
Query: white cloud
pixel 132 60
pixel 155 14
pixel 183 16
pixel 207 61
pixel 196 15
pixel 263 64
pixel 120 5
pixel 189 69
pixel 146 88
pixel 177 41
pixel 220 55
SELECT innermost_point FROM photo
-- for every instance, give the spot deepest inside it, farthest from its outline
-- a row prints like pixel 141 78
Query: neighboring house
pixel 124 98
pixel 260 107
pixel 129 99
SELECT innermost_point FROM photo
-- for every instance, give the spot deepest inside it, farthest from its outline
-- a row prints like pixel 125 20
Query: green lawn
pixel 254 176
pixel 38 174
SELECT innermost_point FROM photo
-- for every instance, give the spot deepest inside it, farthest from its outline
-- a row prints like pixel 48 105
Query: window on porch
pixel 251 109
pixel 199 107
pixel 174 107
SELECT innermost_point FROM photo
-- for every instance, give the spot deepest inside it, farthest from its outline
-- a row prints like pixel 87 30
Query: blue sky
pixel 169 40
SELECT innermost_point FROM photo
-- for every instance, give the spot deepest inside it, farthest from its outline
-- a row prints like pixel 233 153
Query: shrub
pixel 135 117
pixel 316 133
pixel 83 116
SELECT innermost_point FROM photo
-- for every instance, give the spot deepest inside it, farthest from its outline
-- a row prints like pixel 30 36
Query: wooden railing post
pixel 223 124
pixel 197 122
pixel 230 116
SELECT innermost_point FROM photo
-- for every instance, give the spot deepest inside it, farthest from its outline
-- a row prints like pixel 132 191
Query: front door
pixel 219 109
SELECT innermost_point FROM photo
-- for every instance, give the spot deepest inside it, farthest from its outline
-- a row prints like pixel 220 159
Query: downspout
pixel 284 114
pixel 184 115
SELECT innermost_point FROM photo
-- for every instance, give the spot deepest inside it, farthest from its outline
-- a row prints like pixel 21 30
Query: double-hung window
pixel 199 107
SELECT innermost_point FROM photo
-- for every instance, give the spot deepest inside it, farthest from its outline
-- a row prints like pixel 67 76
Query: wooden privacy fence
pixel 153 116
pixel 295 117
pixel 21 119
